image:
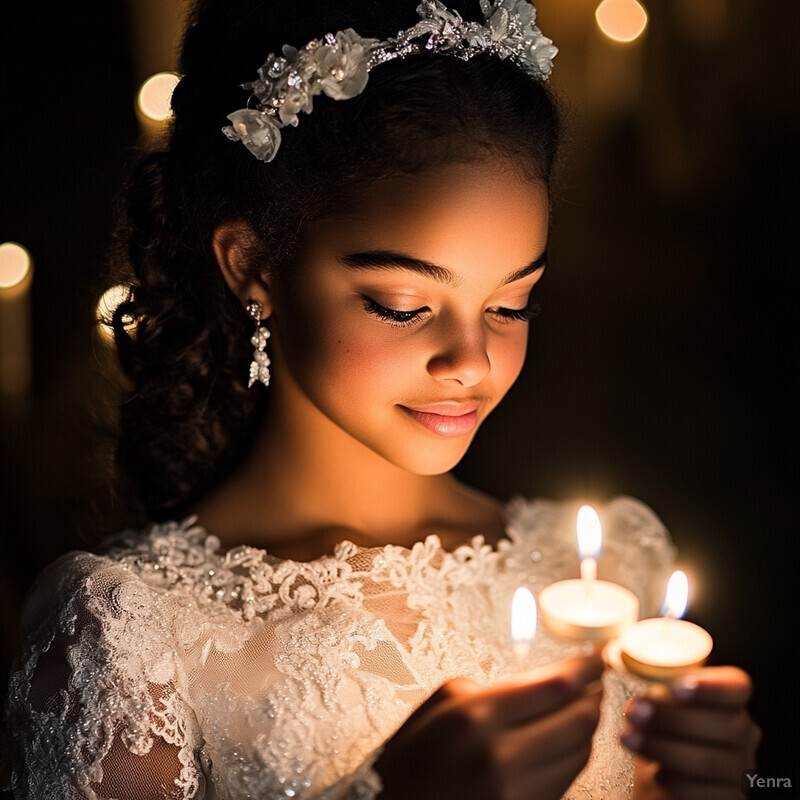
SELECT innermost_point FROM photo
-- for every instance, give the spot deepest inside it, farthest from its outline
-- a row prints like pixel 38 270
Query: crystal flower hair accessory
pixel 338 65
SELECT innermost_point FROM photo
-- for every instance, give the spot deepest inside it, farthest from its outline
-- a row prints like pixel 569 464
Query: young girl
pixel 316 607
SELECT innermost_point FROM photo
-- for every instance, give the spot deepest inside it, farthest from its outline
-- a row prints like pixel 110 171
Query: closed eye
pixel 513 314
pixel 400 319
pixel 405 319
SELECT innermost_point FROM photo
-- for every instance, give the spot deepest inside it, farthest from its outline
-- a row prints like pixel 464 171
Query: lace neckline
pixel 249 580
pixel 431 541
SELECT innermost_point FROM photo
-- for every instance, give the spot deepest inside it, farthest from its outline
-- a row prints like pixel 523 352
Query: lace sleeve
pixel 363 784
pixel 95 707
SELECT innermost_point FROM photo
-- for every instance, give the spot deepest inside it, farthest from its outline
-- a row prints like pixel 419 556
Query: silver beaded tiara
pixel 338 65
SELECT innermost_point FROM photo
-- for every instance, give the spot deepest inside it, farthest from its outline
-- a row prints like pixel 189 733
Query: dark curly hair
pixel 188 416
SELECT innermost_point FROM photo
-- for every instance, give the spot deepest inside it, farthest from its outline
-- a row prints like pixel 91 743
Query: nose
pixel 460 354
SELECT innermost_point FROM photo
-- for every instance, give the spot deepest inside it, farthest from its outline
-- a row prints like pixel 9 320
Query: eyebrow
pixel 388 259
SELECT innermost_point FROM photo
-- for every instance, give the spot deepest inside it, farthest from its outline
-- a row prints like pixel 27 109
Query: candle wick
pixel 588 574
pixel 521 650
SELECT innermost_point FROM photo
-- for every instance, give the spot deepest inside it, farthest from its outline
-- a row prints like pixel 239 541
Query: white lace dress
pixel 160 667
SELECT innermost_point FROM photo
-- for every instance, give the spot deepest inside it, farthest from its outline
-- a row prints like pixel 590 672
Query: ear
pixel 231 241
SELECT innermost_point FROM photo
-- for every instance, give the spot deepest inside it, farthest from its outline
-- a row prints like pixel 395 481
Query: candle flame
pixel 677 595
pixel 523 616
pixel 590 533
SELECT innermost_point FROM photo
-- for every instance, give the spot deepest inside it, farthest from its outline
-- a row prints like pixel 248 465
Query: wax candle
pixel 585 608
pixel 16 271
pixel 523 625
pixel 662 647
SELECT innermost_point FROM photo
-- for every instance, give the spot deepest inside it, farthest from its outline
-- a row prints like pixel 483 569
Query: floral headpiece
pixel 338 65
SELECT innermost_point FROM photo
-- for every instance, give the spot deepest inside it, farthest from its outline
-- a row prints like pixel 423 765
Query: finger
pixel 541 691
pixel 452 690
pixel 552 778
pixel 724 686
pixel 691 760
pixel 661 785
pixel 705 724
pixel 684 788
pixel 644 779
pixel 548 738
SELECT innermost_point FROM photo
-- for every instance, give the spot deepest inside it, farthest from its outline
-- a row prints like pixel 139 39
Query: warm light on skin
pixel 155 96
pixel 621 20
pixel 348 371
pixel 16 266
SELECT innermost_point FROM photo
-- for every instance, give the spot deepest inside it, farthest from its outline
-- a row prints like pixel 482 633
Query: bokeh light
pixel 16 266
pixel 155 96
pixel 107 305
pixel 621 20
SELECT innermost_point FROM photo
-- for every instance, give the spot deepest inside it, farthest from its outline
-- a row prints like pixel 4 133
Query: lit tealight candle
pixel 523 625
pixel 662 647
pixel 587 609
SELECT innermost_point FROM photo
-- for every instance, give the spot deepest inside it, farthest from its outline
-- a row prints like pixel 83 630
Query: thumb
pixel 454 689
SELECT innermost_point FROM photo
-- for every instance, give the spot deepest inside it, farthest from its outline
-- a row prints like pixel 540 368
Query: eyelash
pixel 398 319
pixel 405 319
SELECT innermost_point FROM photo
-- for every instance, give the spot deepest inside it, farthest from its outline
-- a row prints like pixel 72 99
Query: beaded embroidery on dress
pixel 160 661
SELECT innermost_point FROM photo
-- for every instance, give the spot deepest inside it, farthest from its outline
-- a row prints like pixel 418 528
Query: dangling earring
pixel 259 366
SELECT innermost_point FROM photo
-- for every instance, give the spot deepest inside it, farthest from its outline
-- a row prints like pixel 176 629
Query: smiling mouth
pixel 449 420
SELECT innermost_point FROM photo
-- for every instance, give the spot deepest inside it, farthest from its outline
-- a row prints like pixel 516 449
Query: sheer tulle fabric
pixel 161 667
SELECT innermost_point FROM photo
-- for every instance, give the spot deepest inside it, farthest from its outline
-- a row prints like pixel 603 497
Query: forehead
pixel 456 215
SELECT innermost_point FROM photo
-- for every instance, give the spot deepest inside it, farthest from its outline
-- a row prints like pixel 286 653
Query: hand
pixel 517 741
pixel 698 735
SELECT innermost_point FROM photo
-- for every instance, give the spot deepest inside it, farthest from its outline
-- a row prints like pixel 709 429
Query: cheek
pixel 345 357
pixel 508 357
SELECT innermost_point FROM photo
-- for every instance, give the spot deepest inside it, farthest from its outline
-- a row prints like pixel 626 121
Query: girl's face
pixel 406 323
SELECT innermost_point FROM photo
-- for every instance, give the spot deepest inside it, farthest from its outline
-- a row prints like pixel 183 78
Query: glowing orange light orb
pixel 621 20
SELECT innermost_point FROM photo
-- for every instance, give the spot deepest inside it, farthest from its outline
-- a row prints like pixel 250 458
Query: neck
pixel 307 483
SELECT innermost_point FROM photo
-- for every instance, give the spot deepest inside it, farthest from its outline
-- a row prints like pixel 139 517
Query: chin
pixel 436 459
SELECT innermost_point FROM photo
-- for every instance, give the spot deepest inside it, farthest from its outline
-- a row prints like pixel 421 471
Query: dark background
pixel 663 362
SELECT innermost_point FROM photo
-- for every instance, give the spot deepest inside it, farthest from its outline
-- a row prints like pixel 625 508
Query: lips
pixel 448 419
